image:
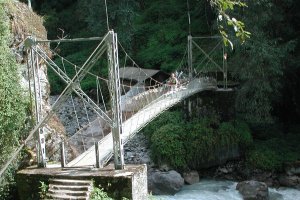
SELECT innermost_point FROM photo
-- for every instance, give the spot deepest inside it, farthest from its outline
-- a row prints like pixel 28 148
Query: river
pixel 224 190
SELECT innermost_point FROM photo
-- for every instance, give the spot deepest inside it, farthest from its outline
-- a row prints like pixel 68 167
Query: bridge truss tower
pixel 222 68
pixel 35 84
pixel 108 43
pixel 115 92
pixel 190 56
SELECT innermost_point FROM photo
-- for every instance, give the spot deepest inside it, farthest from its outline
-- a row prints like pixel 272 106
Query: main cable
pixel 106 15
pixel 189 16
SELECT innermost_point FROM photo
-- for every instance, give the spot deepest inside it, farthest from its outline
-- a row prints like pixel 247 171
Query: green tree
pixel 223 9
pixel 258 63
pixel 160 35
pixel 286 28
pixel 155 32
pixel 167 146
pixel 12 105
pixel 120 17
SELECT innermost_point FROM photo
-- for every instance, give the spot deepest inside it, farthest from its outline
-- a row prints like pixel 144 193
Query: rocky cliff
pixel 24 23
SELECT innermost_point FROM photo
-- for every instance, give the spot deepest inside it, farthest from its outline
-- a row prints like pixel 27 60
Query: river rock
pixel 292 168
pixel 164 183
pixel 289 181
pixel 191 177
pixel 137 151
pixel 253 190
pixel 71 109
pixel 165 167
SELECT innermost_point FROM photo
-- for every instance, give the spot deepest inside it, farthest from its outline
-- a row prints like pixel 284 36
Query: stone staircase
pixel 69 189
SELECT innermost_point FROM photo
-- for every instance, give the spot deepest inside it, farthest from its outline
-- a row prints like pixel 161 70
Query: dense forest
pixel 264 63
pixel 155 34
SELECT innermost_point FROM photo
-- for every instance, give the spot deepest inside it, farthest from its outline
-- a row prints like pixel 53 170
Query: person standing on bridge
pixel 173 82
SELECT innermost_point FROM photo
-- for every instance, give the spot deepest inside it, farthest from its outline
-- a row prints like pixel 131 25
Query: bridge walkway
pixel 140 120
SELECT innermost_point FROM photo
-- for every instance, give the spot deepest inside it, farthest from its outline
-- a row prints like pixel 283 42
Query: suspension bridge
pixel 132 103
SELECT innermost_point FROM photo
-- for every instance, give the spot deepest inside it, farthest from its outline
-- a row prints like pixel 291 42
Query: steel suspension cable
pixel 106 12
pixel 72 100
pixel 73 105
pixel 101 78
pixel 135 62
pixel 207 56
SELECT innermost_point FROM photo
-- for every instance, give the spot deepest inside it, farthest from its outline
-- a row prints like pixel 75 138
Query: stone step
pixel 70 182
pixel 69 192
pixel 66 197
pixel 70 187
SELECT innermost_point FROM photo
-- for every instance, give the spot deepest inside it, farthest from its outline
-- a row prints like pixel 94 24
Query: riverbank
pixel 238 171
pixel 137 151
pixel 209 189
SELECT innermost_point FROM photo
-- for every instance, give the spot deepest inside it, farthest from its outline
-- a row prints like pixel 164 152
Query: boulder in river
pixel 292 168
pixel 191 177
pixel 253 190
pixel 290 181
pixel 164 183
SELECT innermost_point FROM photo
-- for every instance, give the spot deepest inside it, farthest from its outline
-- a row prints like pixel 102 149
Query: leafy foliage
pixel 207 137
pixel 155 33
pixel 13 107
pixel 89 82
pixel 190 145
pixel 243 133
pixel 161 31
pixel 120 17
pixel 223 7
pixel 266 65
pixel 8 186
pixel 271 154
pixel 167 146
pixel 200 143
pixel 168 117
pixel 263 158
pixel 261 59
pixel 227 134
pixel 99 194
pixel 43 190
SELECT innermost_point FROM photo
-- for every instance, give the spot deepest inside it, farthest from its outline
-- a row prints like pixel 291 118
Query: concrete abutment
pixel 130 182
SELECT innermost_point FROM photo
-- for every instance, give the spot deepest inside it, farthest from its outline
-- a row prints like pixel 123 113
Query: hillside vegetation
pixel 155 34
pixel 13 105
pixel 266 67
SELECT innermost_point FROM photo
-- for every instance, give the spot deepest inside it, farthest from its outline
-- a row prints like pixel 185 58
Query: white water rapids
pixel 224 190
